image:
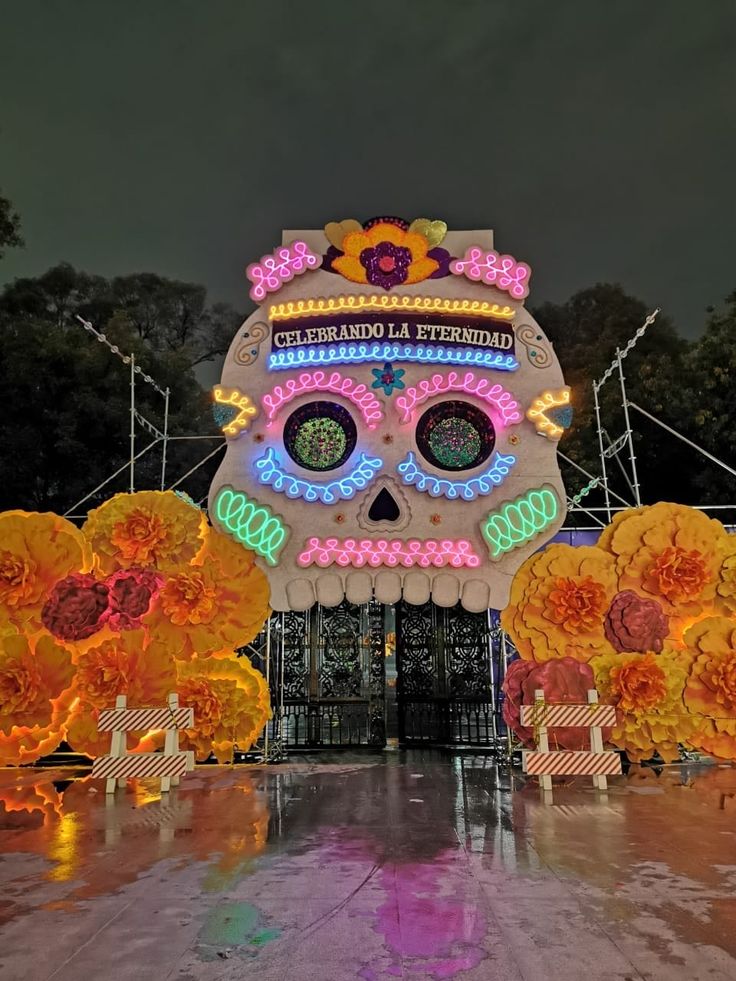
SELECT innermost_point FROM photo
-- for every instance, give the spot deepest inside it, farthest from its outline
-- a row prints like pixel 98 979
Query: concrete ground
pixel 416 865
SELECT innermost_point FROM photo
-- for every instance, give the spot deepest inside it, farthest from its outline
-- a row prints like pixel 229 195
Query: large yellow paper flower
pixel 219 602
pixel 710 691
pixel 385 255
pixel 146 530
pixel 36 550
pixel 559 599
pixel 725 599
pixel 231 705
pixel 121 665
pixel 647 691
pixel 36 676
pixel 670 553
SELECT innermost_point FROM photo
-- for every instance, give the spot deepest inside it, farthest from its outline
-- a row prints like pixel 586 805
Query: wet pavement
pixel 402 865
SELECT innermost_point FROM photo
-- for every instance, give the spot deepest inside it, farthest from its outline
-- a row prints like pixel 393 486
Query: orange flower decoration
pixel 725 599
pixel 36 676
pixel 231 705
pixel 647 690
pixel 671 553
pixel 120 665
pixel 218 603
pixel 385 255
pixel 148 530
pixel 710 692
pixel 559 599
pixel 36 550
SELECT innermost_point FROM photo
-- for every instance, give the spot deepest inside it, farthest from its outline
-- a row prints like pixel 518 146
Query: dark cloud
pixel 180 137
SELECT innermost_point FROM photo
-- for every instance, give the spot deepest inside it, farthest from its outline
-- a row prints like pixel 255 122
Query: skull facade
pixel 392 415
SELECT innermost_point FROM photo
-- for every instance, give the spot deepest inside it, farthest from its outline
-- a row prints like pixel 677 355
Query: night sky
pixel 596 138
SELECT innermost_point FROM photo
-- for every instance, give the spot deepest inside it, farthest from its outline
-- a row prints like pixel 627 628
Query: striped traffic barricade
pixel 545 763
pixel 119 766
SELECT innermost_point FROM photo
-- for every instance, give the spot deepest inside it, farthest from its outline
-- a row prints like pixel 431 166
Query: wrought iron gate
pixel 328 675
pixel 447 676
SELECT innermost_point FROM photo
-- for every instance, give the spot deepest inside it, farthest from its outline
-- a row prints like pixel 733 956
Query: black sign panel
pixel 436 329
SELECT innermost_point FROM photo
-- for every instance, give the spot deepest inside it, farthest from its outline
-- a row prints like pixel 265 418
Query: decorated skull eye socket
pixel 320 435
pixel 455 436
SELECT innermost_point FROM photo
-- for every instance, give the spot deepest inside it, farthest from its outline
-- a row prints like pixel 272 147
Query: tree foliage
pixel 66 425
pixel 10 236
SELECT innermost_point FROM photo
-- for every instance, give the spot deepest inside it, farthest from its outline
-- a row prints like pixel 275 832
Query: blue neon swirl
pixel 358 353
pixel 270 472
pixel 468 490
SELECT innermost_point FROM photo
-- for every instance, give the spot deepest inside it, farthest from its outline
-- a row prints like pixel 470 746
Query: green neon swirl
pixel 519 520
pixel 255 526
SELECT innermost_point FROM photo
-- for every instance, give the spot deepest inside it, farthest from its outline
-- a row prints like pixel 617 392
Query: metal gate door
pixel 328 676
pixel 447 676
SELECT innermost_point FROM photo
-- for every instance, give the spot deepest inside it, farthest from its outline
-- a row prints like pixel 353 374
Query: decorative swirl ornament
pixel 537 350
pixel 501 271
pixel 254 525
pixel 482 388
pixel 519 521
pixel 383 352
pixel 247 351
pixel 426 553
pixel 270 274
pixel 271 473
pixel 318 381
pixel 467 490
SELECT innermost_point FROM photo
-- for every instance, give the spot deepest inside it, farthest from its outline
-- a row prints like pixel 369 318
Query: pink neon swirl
pixel 393 552
pixel 494 395
pixel 319 381
pixel 502 271
pixel 270 274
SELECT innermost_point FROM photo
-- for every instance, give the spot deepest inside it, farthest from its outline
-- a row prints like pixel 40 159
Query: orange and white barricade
pixel 546 763
pixel 120 765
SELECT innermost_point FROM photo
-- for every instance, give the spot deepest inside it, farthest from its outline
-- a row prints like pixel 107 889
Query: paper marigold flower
pixel 564 682
pixel 231 705
pixel 670 553
pixel 710 691
pixel 385 255
pixel 77 607
pixel 559 600
pixel 125 665
pixel 219 602
pixel 36 677
pixel 647 691
pixel 131 596
pixel 148 530
pixel 635 624
pixel 36 551
pixel 725 599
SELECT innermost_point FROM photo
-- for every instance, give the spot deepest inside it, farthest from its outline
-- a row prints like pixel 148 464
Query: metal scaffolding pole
pixel 132 423
pixel 629 433
pixel 166 438
pixel 600 444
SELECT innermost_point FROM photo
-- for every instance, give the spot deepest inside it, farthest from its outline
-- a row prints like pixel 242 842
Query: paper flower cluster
pixel 146 599
pixel 648 617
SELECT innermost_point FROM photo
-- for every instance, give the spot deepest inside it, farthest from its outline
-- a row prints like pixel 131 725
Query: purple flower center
pixel 386 265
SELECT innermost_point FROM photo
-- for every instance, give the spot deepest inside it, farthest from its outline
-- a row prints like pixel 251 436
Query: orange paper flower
pixel 148 530
pixel 710 692
pixel 231 705
pixel 559 600
pixel 36 550
pixel 647 691
pixel 218 603
pixel 671 553
pixel 725 599
pixel 36 676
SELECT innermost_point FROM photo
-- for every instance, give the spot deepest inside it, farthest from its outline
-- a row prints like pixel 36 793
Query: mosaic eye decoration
pixel 455 436
pixel 320 435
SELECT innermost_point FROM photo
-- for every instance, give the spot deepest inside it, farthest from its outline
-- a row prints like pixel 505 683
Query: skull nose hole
pixel 384 507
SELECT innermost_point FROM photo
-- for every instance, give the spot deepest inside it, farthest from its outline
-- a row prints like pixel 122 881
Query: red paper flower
pixel 635 624
pixel 77 607
pixel 563 681
pixel 132 592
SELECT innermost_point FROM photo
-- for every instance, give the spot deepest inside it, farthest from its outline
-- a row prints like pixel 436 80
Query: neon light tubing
pixel 393 552
pixel 354 303
pixel 270 472
pixel 386 351
pixel 482 388
pixel 317 381
pixel 270 274
pixel 501 271
pixel 551 413
pixel 254 525
pixel 520 520
pixel 479 486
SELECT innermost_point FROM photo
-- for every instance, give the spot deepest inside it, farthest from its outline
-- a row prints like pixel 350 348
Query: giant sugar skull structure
pixel 392 414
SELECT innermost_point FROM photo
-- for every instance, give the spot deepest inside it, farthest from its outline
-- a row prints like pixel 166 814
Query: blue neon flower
pixel 388 378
